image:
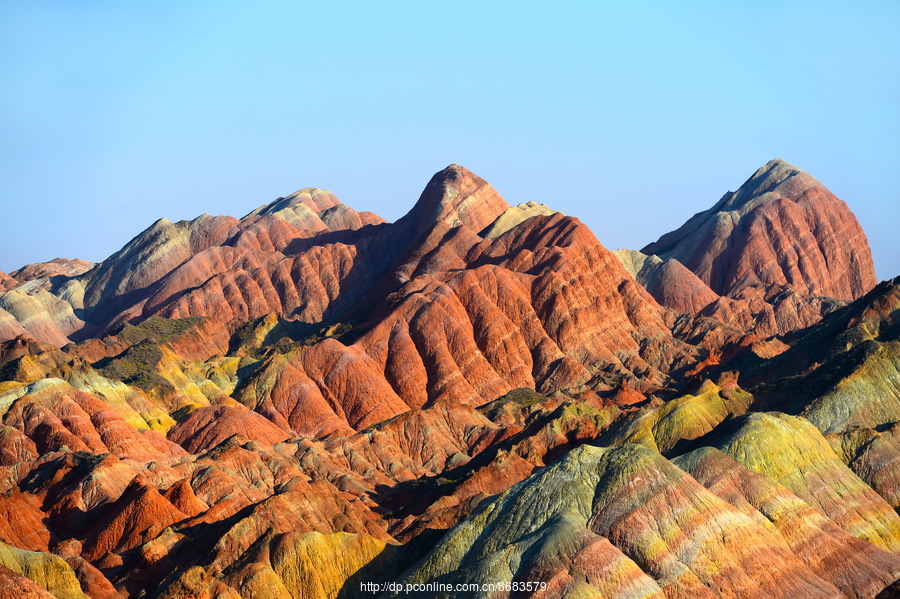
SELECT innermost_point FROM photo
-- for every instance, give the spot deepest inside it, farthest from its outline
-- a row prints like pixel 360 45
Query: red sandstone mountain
pixel 309 398
pixel 7 282
pixel 567 311
pixel 782 227
pixel 54 268
pixel 778 251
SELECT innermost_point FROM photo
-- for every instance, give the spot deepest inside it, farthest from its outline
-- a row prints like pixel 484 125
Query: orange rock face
pixel 7 282
pixel 208 426
pixel 308 398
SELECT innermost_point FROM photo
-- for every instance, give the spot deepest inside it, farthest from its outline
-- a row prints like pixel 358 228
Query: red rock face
pixel 56 267
pixel 152 255
pixel 456 317
pixel 676 287
pixel 308 397
pixel 7 282
pixel 138 515
pixel 455 196
pixel 782 233
pixel 782 227
pixel 207 427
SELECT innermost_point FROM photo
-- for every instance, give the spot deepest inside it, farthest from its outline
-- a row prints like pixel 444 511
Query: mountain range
pixel 310 401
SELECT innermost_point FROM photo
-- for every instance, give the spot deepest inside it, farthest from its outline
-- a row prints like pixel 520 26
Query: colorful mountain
pixel 772 257
pixel 310 401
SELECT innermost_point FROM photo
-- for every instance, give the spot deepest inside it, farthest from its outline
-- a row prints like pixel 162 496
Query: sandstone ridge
pixel 309 399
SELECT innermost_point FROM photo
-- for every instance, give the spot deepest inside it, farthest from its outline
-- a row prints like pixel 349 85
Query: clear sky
pixel 630 115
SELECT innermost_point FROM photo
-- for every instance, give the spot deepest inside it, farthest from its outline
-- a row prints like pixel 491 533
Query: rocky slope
pixel 771 257
pixel 626 522
pixel 309 400
pixel 782 227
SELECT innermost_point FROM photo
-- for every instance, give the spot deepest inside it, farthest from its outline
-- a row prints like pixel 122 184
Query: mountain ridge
pixel 308 399
pixel 775 197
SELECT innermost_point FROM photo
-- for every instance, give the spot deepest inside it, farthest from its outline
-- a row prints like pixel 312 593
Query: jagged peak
pixel 457 196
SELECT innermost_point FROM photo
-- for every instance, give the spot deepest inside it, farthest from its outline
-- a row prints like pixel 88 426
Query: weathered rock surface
pixel 618 522
pixel 15 586
pixel 668 281
pixel 782 247
pixel 57 267
pixel 7 282
pixel 514 215
pixel 311 565
pixel 48 572
pixel 208 426
pixel 855 567
pixel 671 425
pixel 794 453
pixel 781 228
pixel 40 314
pixel 840 374
pixel 309 398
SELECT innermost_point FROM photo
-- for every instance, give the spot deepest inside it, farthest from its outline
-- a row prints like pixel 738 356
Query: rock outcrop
pixel 58 267
pixel 668 281
pixel 779 251
pixel 781 228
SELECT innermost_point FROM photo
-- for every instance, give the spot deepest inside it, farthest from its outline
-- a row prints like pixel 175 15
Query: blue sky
pixel 631 116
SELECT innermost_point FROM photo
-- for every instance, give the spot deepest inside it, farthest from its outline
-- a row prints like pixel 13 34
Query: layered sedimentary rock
pixel 779 252
pixel 514 215
pixel 668 427
pixel 7 282
pixel 308 400
pixel 58 267
pixel 42 315
pixel 618 522
pixel 781 228
pixel 314 271
pixel 47 572
pixel 855 567
pixel 668 281
pixel 794 453
pixel 842 373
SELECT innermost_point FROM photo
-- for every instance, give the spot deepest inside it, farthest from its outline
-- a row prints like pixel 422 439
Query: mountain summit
pixel 312 402
pixel 780 228
pixel 457 197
